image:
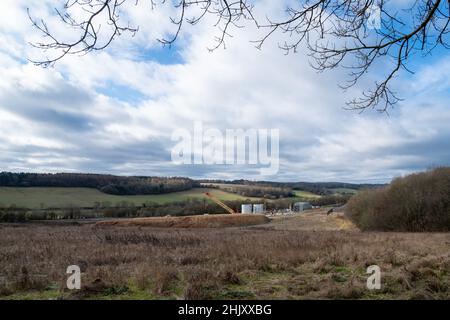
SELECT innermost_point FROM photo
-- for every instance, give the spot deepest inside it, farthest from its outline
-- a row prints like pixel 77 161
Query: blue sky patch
pixel 121 93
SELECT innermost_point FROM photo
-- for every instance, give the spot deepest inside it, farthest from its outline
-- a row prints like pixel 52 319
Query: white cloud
pixel 62 119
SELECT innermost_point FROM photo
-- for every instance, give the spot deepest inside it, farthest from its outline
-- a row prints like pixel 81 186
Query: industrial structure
pixel 301 206
pixel 258 208
pixel 246 208
pixel 252 208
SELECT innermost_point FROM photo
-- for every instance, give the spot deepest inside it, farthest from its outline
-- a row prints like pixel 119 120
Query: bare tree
pixel 336 33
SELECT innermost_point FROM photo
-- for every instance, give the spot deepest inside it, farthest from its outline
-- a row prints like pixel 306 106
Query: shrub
pixel 12 215
pixel 418 202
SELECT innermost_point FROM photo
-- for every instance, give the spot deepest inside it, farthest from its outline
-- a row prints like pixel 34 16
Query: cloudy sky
pixel 114 111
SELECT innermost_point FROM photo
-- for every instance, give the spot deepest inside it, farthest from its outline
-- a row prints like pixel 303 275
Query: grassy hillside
pixel 262 191
pixel 87 197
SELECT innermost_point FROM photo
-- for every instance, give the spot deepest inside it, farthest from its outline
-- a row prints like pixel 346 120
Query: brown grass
pixel 200 221
pixel 278 260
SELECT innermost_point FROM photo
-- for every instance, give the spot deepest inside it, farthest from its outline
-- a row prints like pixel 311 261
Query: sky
pixel 115 111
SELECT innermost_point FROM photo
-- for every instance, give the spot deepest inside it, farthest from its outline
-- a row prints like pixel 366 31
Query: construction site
pixel 250 214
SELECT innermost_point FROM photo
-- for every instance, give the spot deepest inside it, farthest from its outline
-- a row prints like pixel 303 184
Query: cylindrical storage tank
pixel 258 208
pixel 246 208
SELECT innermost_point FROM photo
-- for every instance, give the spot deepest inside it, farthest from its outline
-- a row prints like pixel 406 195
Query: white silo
pixel 258 208
pixel 246 208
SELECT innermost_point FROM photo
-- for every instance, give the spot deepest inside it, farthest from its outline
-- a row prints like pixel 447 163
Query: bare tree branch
pixel 335 34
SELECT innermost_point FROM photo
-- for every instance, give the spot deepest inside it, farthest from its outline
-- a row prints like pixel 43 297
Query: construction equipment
pixel 220 203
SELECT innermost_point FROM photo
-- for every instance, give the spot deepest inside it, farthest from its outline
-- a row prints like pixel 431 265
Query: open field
pixel 305 194
pixel 310 255
pixel 87 197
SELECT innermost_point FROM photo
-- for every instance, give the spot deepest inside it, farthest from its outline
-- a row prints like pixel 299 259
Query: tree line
pixel 117 185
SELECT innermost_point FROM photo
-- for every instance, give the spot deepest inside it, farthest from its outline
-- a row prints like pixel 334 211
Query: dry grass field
pixel 306 256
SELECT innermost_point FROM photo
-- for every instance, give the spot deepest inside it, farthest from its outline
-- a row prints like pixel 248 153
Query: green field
pixel 87 197
pixel 298 193
pixel 305 194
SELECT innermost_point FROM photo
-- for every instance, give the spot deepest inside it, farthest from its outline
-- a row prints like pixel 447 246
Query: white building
pixel 301 206
pixel 258 208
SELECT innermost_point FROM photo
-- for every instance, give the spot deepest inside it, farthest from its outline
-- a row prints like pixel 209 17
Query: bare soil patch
pixel 203 221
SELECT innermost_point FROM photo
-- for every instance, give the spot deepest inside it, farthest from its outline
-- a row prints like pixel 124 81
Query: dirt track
pixel 315 220
pixel 200 221
pixel 311 220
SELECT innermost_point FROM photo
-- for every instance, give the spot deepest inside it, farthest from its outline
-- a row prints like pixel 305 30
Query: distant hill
pixel 319 188
pixel 142 185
